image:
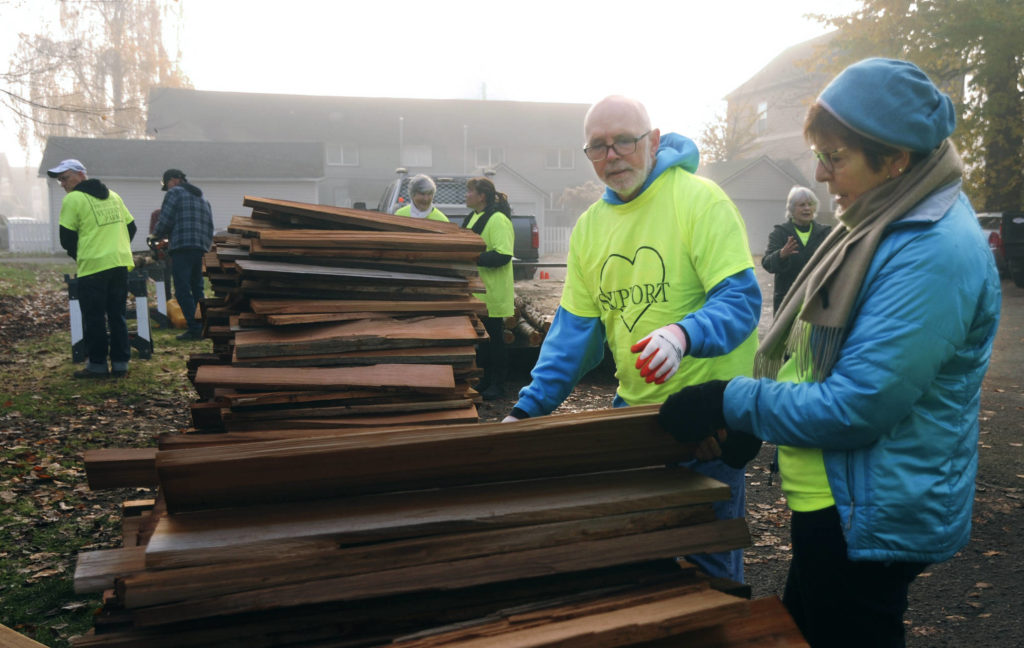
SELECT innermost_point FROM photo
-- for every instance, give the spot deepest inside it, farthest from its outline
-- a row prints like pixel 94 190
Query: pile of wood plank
pixel 564 530
pixel 327 317
pixel 343 494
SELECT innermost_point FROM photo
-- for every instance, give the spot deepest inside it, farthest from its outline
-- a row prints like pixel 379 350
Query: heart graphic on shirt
pixel 631 285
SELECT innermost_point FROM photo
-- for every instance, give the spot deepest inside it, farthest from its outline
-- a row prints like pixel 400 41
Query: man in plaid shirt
pixel 186 219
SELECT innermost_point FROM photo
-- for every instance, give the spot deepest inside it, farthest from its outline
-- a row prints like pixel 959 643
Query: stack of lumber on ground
pixel 302 287
pixel 559 531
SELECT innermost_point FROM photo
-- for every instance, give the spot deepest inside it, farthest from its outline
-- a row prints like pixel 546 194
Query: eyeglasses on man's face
pixel 829 159
pixel 621 145
pixel 64 177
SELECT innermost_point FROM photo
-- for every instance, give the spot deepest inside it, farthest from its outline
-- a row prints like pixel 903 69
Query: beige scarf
pixel 812 319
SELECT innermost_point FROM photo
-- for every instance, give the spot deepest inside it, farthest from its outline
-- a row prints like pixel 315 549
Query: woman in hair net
pixel 422 190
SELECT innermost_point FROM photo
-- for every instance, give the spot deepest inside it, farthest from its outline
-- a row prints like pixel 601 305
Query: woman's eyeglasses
pixel 828 159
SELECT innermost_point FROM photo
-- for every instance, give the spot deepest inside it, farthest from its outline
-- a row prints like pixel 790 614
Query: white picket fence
pixel 554 240
pixel 29 236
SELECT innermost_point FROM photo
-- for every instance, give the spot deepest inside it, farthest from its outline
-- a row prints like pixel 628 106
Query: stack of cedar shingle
pixel 326 317
pixel 558 531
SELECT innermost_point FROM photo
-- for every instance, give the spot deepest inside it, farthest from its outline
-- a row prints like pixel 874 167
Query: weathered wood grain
pixel 371 240
pixel 363 335
pixel 179 578
pixel 409 458
pixel 297 306
pixel 358 218
pixel 440 417
pixel 624 620
pixel 95 571
pixel 120 468
pixel 419 377
pixel 452 355
pixel 208 536
pixel 567 558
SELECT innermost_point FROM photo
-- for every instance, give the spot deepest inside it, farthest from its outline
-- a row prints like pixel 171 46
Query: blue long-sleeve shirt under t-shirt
pixel 574 345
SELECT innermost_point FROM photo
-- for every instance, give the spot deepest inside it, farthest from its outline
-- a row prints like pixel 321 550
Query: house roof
pixel 504 168
pixel 182 113
pixel 722 173
pixel 117 158
pixel 796 63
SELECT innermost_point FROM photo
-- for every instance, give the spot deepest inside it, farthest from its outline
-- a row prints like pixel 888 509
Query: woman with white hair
pixel 421 190
pixel 791 244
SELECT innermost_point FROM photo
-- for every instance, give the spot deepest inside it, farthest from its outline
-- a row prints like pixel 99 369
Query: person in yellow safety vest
pixel 96 229
pixel 422 190
pixel 490 219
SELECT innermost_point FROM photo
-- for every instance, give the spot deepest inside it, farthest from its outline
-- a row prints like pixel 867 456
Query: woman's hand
pixel 789 249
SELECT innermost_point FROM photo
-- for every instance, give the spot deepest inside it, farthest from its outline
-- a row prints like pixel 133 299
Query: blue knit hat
pixel 892 102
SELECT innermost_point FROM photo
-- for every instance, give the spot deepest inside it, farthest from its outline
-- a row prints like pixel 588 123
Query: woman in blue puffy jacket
pixel 869 380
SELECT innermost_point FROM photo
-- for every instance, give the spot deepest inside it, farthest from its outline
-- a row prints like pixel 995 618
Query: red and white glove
pixel 660 353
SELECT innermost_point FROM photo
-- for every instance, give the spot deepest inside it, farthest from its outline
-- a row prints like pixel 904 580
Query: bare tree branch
pixel 92 75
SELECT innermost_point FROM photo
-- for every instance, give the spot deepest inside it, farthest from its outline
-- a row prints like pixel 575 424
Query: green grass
pixel 26 279
pixel 47 420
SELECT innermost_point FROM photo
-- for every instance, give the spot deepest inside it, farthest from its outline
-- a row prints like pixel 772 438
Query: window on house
pixel 559 159
pixel 342 154
pixel 417 156
pixel 762 117
pixel 489 156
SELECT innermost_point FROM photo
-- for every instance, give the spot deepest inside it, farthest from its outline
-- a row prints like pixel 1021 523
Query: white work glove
pixel 660 353
pixel 509 419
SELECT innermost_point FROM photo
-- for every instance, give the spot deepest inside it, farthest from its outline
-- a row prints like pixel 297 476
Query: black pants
pixel 837 602
pixel 187 269
pixel 493 354
pixel 102 297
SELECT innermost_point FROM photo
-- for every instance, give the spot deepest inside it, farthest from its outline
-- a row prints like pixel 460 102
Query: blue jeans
pixel 187 270
pixel 102 297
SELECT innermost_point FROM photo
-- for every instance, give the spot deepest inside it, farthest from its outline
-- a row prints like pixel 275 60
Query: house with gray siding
pixel 770 108
pixel 364 140
pixel 759 188
pixel 225 171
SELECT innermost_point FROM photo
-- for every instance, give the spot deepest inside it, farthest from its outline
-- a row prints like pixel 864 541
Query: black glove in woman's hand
pixel 739 448
pixel 694 413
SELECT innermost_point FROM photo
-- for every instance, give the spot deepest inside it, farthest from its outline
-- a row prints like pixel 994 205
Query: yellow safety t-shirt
pixel 804 480
pixel 434 215
pixel 102 227
pixel 499 236
pixel 672 244
pixel 804 236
